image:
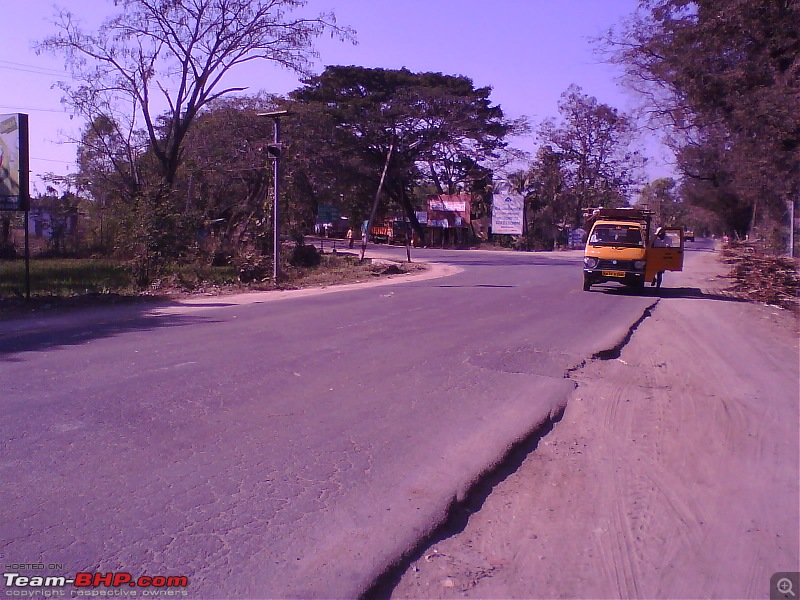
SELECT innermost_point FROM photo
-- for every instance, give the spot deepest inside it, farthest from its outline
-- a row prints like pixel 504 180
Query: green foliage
pixel 724 77
pixel 65 277
pixel 587 157
pixel 124 71
pixel 226 178
pixel 305 256
pixel 661 198
pixel 440 128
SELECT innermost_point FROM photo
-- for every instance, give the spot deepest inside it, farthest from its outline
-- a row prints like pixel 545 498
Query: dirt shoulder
pixel 672 474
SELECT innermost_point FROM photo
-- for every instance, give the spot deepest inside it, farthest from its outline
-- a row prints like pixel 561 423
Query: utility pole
pixel 377 197
pixel 274 151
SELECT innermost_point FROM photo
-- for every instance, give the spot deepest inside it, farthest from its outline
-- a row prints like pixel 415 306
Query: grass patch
pixel 64 277
pixel 83 282
pixel 333 270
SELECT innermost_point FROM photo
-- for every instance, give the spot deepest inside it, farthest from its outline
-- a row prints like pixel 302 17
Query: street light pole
pixel 274 150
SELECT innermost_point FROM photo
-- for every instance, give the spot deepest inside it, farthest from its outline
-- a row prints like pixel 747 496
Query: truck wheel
pixel 586 284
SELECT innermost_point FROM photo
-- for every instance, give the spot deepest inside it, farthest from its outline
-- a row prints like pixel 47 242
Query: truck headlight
pixel 638 265
pixel 590 262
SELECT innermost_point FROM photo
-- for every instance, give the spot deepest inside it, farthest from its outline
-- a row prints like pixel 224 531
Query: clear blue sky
pixel 528 51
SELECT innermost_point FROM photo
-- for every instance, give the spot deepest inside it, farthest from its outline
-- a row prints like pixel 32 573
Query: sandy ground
pixel 674 472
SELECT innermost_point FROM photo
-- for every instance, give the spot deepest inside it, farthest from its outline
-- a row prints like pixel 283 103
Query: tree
pixel 661 197
pixel 176 54
pixel 593 142
pixel 109 175
pixel 147 73
pixel 724 75
pixel 224 178
pixel 321 168
pixel 550 183
pixel 440 128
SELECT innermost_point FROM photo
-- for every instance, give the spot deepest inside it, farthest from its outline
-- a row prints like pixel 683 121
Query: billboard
pixel 507 214
pixel 449 211
pixel 327 213
pixel 14 162
pixel 448 203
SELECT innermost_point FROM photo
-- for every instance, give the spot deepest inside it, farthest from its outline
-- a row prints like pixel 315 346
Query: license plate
pixel 613 273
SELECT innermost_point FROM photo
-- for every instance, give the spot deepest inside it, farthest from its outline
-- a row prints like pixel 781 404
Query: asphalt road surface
pixel 283 449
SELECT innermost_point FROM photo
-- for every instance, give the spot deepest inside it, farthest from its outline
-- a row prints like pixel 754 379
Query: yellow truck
pixel 622 248
pixel 391 232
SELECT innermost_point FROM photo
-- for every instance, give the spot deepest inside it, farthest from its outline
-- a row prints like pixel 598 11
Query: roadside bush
pixel 8 251
pixel 305 256
pixel 254 269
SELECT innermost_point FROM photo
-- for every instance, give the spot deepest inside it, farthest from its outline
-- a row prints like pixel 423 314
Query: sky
pixel 527 51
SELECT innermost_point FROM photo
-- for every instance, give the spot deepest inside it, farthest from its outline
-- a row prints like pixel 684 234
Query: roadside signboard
pixel 327 213
pixel 14 161
pixel 507 214
pixel 448 211
pixel 445 203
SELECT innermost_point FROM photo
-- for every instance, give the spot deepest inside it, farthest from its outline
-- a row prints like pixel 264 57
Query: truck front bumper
pixel 634 278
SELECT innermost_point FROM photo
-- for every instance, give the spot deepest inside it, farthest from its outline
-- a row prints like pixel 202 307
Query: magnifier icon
pixel 784 586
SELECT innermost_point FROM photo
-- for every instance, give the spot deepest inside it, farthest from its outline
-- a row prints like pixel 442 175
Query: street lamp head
pixel 275 114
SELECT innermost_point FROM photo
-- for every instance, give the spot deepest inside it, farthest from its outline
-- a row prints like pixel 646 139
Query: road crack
pixel 616 351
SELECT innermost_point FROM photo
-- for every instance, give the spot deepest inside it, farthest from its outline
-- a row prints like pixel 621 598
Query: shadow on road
pixel 479 285
pixel 53 331
pixel 521 261
pixel 666 292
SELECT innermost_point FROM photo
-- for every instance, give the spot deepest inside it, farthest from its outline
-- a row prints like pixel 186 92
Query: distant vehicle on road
pixel 688 235
pixel 391 232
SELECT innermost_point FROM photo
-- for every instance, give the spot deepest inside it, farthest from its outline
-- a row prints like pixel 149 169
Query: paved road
pixel 290 448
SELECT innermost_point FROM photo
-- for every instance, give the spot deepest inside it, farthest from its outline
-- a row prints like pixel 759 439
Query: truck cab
pixel 620 248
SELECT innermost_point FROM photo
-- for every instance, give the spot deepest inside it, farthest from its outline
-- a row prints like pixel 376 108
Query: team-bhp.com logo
pixel 94 584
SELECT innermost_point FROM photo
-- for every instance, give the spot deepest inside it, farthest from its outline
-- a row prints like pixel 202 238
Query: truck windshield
pixel 616 235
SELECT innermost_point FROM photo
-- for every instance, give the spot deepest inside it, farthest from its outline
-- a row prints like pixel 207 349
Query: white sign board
pixel 447 205
pixel 507 214
pixel 14 169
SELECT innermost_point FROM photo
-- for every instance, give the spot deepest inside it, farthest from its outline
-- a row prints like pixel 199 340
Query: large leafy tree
pixel 109 175
pixel 155 65
pixel 724 76
pixel 594 145
pixel 321 167
pixel 661 197
pixel 224 176
pixel 144 77
pixel 427 127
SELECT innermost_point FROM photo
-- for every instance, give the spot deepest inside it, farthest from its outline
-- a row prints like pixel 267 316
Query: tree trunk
pixel 377 198
pixel 435 179
pixel 405 202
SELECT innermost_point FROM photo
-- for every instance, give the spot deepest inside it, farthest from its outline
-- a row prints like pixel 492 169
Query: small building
pixel 52 222
pixel 448 219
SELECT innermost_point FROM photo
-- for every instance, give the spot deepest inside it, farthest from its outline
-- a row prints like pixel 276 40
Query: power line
pixel 29 109
pixel 66 162
pixel 15 66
